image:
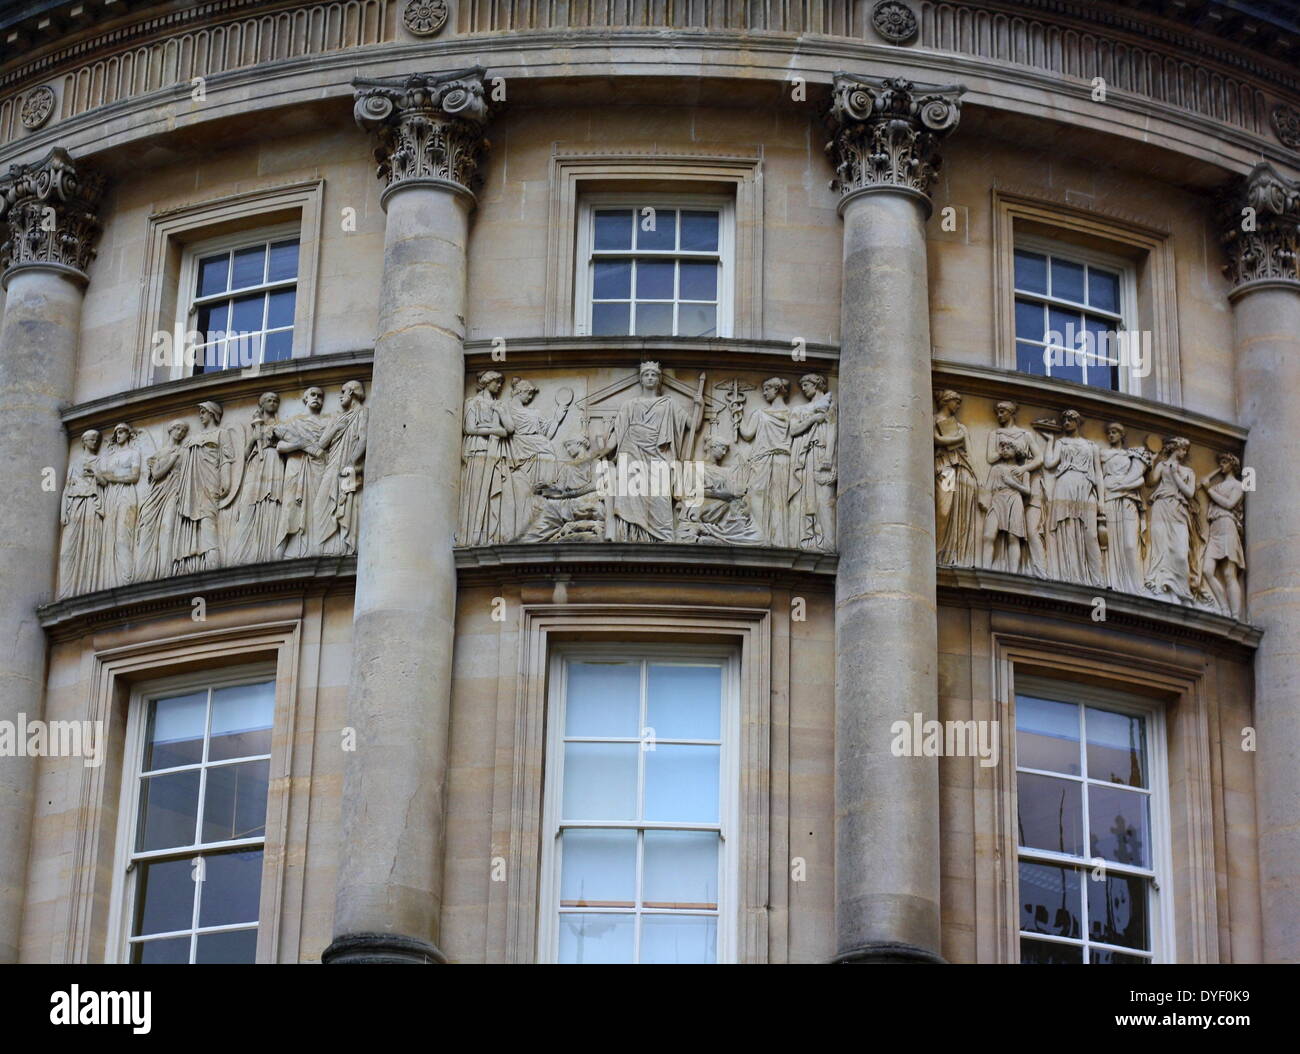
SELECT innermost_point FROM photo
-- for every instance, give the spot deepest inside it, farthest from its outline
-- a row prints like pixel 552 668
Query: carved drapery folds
pixel 48 210
pixel 1262 228
pixel 886 133
pixel 197 494
pixel 649 458
pixel 1055 504
pixel 429 127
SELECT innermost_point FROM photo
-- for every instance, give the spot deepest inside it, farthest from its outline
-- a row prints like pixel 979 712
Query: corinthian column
pixel 886 137
pixel 48 210
pixel 1263 239
pixel 430 138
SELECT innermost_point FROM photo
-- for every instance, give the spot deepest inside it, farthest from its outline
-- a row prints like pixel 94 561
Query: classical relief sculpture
pixel 1170 570
pixel 206 473
pixel 1225 549
pixel 1073 541
pixel 343 446
pixel 956 489
pixel 532 459
pixel 723 516
pixel 1123 471
pixel 117 471
pixel 487 496
pixel 812 466
pixel 261 490
pixel 156 527
pixel 82 517
pixel 1029 454
pixel 1004 517
pixel 568 507
pixel 767 429
pixel 303 476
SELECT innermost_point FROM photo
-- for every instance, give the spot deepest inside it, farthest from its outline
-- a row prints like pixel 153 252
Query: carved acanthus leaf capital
pixel 886 133
pixel 1262 228
pixel 48 210
pixel 428 126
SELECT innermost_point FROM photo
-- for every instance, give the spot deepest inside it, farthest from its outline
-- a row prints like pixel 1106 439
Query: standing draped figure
pixel 257 529
pixel 343 444
pixel 1123 472
pixel 1073 544
pixel 812 467
pixel 206 469
pixel 155 537
pixel 956 488
pixel 1170 572
pixel 532 458
pixel 304 475
pixel 768 484
pixel 82 516
pixel 118 472
pixel 487 499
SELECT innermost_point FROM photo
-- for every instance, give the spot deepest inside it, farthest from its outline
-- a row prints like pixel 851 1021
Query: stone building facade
pixel 632 481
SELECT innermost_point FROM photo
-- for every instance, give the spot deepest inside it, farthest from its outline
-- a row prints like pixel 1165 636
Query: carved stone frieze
pixel 144 503
pixel 886 133
pixel 428 127
pixel 1262 228
pixel 48 210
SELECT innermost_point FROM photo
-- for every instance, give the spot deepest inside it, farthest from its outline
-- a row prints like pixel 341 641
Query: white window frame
pixel 1126 319
pixel 187 312
pixel 1160 891
pixel 584 272
pixel 729 852
pixel 125 873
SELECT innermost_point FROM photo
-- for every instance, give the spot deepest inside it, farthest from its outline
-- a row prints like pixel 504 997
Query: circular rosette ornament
pixel 895 21
pixel 37 107
pixel 425 18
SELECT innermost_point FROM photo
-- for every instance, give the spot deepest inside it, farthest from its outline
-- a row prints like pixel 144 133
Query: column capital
pixel 1261 234
pixel 429 127
pixel 49 213
pixel 886 133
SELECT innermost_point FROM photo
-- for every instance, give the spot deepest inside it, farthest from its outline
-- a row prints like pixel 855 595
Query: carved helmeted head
pixel 122 434
pixel 210 414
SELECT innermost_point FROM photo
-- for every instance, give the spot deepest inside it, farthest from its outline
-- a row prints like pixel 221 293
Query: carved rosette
pixel 886 133
pixel 48 210
pixel 37 107
pixel 1286 125
pixel 1262 228
pixel 895 21
pixel 429 127
pixel 425 18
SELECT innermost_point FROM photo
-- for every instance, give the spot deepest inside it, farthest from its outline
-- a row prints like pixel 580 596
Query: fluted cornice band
pixel 49 213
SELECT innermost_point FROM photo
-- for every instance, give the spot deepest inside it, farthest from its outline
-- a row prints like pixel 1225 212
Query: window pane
pixel 681 783
pixel 685 702
pixel 700 231
pixel 654 319
pixel 681 869
pixel 1103 289
pixel 1109 958
pixel 1117 747
pixel 654 279
pixel 609 319
pixel 679 939
pixel 697 320
pixel 249 267
pixel 170 952
pixel 241 721
pixel 247 314
pixel 284 261
pixel 165 897
pixel 1050 813
pixel 612 280
pixel 213 274
pixel 279 308
pixel 1064 329
pixel 169 807
pixel 1117 825
pixel 1031 271
pixel 663 232
pixel 600 781
pixel 243 350
pixel 211 321
pixel 1029 320
pixel 1101 375
pixel 175 733
pixel 596 938
pixel 237 946
pixel 278 346
pixel 1029 359
pixel 209 357
pixel 1117 911
pixel 1047 952
pixel 1047 735
pixel 604 699
pixel 614 229
pixel 234 803
pixel 232 886
pixel 699 281
pixel 1067 280
pixel 598 869
pixel 1050 900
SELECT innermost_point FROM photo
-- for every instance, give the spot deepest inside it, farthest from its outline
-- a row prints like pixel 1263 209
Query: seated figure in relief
pixel 723 516
pixel 568 508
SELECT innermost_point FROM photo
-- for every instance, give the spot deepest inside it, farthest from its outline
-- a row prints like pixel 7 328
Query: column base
pixel 889 952
pixel 380 948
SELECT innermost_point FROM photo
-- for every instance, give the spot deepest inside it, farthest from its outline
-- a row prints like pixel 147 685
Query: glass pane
pixel 654 319
pixel 279 346
pixel 596 938
pixel 614 229
pixel 247 314
pixel 243 350
pixel 1117 747
pixel 700 231
pixel 1049 813
pixel 1117 825
pixel 210 357
pixel 279 308
pixel 1031 271
pixel 1103 289
pixel 169 807
pixel 1049 953
pixel 236 946
pixel 1029 359
pixel 175 733
pixel 164 897
pixel 241 721
pixel 284 261
pixel 1050 900
pixel 170 952
pixel 1102 375
pixel 213 273
pixel 699 281
pixel 609 319
pixel 250 267
pixel 1109 958
pixel 211 321
pixel 604 699
pixel 654 279
pixel 1067 280
pixel 697 320
pixel 1029 320
pixel 679 939
pixel 612 279
pixel 681 869
pixel 232 886
pixel 681 784
pixel 1064 328
pixel 685 702
pixel 1047 735
pixel 1117 911
pixel 600 781
pixel 234 804
pixel 658 230
pixel 599 869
